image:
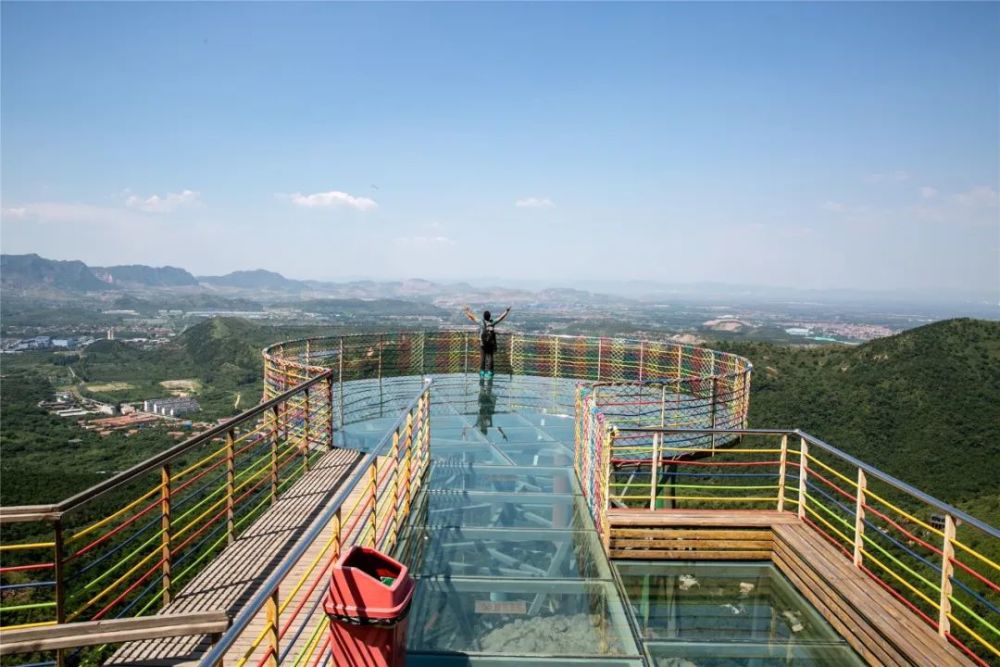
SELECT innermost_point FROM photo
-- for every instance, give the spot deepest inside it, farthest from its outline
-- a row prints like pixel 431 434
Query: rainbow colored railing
pixel 711 382
pixel 123 547
pixel 370 508
pixel 936 560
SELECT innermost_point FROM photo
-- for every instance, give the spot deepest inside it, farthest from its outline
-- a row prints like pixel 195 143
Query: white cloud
pixel 897 176
pixel 982 196
pixel 424 241
pixel 333 198
pixel 928 192
pixel 62 212
pixel 166 204
pixel 534 202
pixel 19 213
pixel 835 207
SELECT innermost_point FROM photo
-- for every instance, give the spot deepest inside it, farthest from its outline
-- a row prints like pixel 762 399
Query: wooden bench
pixel 874 623
pixel 94 633
pixel 692 534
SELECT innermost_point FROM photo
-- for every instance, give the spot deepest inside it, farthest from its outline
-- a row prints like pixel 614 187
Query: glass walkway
pixel 510 570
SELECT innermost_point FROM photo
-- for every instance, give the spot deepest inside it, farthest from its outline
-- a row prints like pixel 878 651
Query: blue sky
pixel 815 145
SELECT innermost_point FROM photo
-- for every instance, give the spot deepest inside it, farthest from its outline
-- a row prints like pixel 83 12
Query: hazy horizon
pixel 824 146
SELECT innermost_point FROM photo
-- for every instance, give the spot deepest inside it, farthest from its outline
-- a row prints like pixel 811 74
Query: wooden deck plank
pixel 699 518
pixel 233 577
pixel 689 534
pixel 693 554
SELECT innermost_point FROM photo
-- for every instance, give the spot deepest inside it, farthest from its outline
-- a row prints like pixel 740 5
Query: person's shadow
pixel 487 405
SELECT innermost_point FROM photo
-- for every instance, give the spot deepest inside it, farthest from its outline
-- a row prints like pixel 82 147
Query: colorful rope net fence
pixel 940 563
pixel 375 371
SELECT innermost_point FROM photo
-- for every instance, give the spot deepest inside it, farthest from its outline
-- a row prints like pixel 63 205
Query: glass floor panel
pixel 720 654
pixel 727 614
pixel 498 510
pixel 506 479
pixel 518 617
pixel 485 552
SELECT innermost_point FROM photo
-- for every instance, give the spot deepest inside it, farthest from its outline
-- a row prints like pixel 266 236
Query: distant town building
pixel 171 407
pixel 798 331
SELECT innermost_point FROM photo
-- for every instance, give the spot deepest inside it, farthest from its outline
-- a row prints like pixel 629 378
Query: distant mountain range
pixel 40 277
pixel 33 272
pixel 138 274
pixel 258 279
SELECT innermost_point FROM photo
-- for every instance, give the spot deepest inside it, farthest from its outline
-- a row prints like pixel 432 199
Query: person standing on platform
pixel 487 340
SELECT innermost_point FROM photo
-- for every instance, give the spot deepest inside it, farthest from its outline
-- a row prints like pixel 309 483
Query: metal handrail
pixel 813 440
pixel 258 601
pixel 12 513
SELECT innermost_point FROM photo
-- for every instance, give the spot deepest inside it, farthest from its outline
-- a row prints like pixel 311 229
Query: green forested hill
pixel 923 405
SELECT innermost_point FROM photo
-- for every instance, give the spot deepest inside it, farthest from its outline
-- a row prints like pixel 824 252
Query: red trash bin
pixel 367 604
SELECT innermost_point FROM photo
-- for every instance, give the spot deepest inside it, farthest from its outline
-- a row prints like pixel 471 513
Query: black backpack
pixel 488 336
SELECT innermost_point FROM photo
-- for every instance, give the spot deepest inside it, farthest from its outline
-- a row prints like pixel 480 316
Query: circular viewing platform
pixel 641 382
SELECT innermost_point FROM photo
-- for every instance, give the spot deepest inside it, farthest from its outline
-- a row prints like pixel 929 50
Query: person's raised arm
pixel 471 315
pixel 501 318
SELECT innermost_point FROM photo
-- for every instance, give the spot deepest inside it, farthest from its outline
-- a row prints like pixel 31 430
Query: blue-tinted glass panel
pixel 512 617
pixel 491 510
pixel 712 602
pixel 537 454
pixel 416 659
pixel 721 654
pixel 457 453
pixel 479 552
pixel 505 479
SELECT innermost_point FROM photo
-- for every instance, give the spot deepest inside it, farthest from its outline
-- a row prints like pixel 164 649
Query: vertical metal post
pixel 859 518
pixel 642 357
pixel 782 468
pixel 715 393
pixel 380 400
pixel 341 382
pixel 274 453
pixel 680 360
pixel 511 360
pixel 329 402
pixel 465 338
pixel 663 405
pixel 803 472
pixel 600 355
pixel 306 432
pixel 165 531
pixel 654 469
pixel 60 577
pixel 423 352
pixel 373 499
pixel 338 532
pixel 271 615
pixel 60 571
pixel 393 536
pixel 947 572
pixel 230 486
pixel 555 367
pixel 610 437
